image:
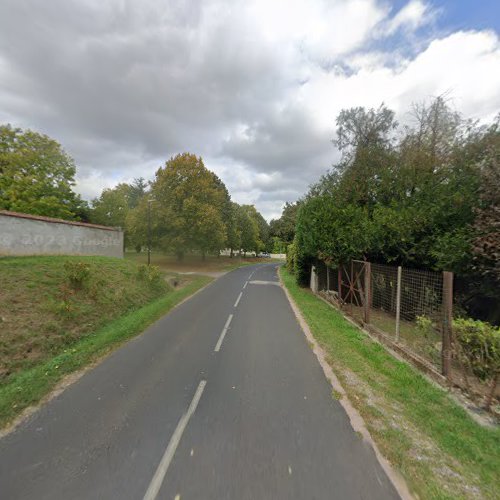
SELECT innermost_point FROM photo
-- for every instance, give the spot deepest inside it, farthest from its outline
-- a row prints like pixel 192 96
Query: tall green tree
pixel 249 230
pixel 189 208
pixel 234 230
pixel 425 197
pixel 284 227
pixel 112 206
pixel 262 239
pixel 37 176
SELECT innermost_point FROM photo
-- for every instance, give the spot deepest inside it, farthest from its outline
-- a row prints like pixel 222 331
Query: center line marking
pixel 161 471
pixel 238 299
pixel 223 334
pixel 245 285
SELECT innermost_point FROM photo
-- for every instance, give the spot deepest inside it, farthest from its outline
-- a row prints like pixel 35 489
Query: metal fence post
pixel 447 323
pixel 368 275
pixel 398 302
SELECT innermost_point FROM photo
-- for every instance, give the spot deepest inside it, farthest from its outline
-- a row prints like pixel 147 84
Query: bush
pixel 151 274
pixel 77 273
pixel 302 268
pixel 477 346
pixel 290 258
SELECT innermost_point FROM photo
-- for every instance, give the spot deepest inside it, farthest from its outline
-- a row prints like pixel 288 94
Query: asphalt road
pixel 221 399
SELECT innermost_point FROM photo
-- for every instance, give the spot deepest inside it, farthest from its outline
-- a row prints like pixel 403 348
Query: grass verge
pixel 28 387
pixel 439 449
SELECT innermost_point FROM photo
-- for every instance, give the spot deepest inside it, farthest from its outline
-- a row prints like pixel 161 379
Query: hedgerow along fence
pixel 408 309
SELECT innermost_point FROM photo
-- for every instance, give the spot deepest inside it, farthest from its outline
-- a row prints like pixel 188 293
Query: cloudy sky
pixel 253 86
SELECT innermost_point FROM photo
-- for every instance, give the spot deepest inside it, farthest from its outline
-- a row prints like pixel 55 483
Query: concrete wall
pixel 279 256
pixel 22 234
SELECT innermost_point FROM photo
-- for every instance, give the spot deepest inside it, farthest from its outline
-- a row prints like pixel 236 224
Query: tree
pixel 359 129
pixel 284 227
pixel 112 206
pixel 249 230
pixel 190 203
pixel 233 229
pixel 137 190
pixel 262 239
pixel 487 221
pixel 37 176
pixel 427 200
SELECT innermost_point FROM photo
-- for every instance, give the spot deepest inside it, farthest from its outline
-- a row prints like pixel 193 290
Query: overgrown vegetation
pixel 49 303
pixel 440 450
pixel 422 196
pixel 477 346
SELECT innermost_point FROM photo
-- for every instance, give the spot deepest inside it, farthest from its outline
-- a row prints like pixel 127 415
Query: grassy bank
pixel 51 326
pixel 440 450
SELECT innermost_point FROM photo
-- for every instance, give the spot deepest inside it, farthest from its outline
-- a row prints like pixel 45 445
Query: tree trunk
pixel 180 256
pixel 203 255
pixel 231 254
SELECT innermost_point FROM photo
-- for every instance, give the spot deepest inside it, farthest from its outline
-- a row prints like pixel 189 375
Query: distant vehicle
pixel 264 255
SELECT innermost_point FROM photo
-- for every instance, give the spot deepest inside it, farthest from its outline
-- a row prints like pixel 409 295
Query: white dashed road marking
pixel 156 482
pixel 223 334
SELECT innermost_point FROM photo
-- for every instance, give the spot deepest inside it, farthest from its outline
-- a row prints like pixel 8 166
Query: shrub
pixel 290 258
pixel 151 274
pixel 477 346
pixel 77 273
pixel 302 268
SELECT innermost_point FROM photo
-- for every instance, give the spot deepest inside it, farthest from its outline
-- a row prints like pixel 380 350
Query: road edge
pixel 69 379
pixel 356 420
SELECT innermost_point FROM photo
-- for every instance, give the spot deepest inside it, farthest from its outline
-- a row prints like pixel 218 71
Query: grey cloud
pixel 124 85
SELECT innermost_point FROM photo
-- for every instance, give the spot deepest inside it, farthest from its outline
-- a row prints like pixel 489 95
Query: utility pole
pixel 149 231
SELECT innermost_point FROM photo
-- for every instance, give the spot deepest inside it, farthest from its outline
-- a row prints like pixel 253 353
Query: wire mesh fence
pixel 384 297
pixel 410 309
pixel 421 313
pixel 405 305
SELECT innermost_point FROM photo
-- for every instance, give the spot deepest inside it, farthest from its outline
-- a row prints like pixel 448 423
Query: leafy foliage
pixel 487 222
pixel 37 176
pixel 423 196
pixel 477 345
pixel 283 229
pixel 77 273
pixel 189 209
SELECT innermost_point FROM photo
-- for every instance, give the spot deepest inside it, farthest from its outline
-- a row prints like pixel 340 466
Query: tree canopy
pixel 424 195
pixel 37 176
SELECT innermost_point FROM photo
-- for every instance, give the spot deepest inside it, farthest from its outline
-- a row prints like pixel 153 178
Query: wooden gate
pixel 354 289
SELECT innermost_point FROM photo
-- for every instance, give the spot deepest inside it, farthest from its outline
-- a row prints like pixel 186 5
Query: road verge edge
pixel 31 389
pixel 356 420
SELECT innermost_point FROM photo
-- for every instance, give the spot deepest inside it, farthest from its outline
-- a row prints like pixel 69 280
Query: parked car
pixel 264 255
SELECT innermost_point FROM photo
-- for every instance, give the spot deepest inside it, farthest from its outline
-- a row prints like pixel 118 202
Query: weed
pixel 77 273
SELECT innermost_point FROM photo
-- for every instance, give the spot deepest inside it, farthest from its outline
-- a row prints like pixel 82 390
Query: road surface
pixel 220 399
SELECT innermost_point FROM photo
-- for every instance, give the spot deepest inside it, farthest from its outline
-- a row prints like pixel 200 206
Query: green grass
pixel 440 450
pixel 48 329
